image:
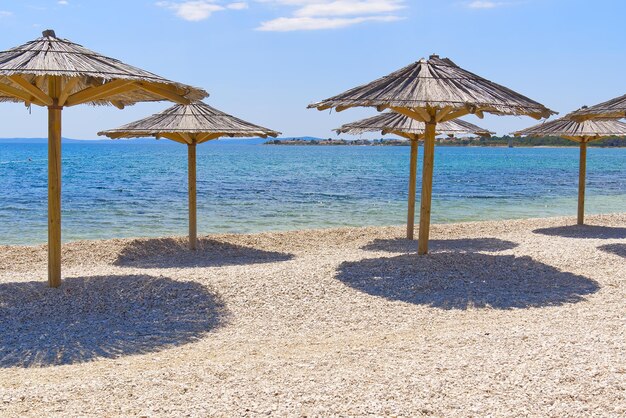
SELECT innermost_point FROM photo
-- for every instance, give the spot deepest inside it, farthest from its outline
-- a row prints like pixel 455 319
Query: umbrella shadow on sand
pixel 617 249
pixel 172 253
pixel 584 231
pixel 458 280
pixel 403 245
pixel 101 317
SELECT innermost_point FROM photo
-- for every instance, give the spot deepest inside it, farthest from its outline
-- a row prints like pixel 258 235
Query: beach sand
pixel 506 318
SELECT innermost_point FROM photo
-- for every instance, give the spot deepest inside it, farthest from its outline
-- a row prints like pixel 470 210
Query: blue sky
pixel 265 60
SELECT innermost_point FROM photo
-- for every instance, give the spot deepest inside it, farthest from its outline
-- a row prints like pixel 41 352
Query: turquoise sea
pixel 125 188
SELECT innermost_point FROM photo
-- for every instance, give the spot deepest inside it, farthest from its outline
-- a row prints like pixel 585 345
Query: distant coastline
pixel 504 141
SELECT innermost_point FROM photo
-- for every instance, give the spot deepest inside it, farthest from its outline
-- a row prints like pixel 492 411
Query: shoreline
pixel 565 218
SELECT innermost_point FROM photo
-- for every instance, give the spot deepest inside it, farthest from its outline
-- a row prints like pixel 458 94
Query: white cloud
pixel 5 13
pixel 331 14
pixel 287 24
pixel 197 10
pixel 63 2
pixel 302 14
pixel 348 8
pixel 192 10
pixel 484 4
pixel 238 6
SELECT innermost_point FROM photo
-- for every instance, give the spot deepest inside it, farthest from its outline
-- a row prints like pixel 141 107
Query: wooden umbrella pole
pixel 54 186
pixel 581 182
pixel 410 222
pixel 193 232
pixel 427 187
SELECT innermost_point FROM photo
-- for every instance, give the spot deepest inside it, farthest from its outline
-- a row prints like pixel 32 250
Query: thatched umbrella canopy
pixel 614 108
pixel 190 125
pixel 581 132
pixel 57 73
pixel 435 90
pixel 404 126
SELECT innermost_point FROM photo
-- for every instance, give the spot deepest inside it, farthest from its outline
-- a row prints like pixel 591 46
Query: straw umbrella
pixel 190 125
pixel 57 73
pixel 401 125
pixel 433 91
pixel 614 108
pixel 583 133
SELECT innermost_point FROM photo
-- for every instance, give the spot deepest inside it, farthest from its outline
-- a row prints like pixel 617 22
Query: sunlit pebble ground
pixel 507 318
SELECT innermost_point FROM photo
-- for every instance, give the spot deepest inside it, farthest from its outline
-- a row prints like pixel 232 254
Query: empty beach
pixel 507 318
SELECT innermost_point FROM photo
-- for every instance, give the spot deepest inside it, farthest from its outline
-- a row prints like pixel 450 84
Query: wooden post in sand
pixel 28 70
pixel 410 222
pixel 193 232
pixel 427 186
pixel 581 132
pixel 190 124
pixel 581 182
pixel 54 184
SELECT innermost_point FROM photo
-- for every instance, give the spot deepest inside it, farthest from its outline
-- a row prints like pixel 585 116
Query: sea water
pixel 127 189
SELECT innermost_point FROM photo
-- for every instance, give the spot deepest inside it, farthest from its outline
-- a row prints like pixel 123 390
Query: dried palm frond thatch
pixel 434 90
pixel 117 83
pixel 581 132
pixel 614 108
pixel 401 125
pixel 197 121
pixel 437 83
pixel 191 125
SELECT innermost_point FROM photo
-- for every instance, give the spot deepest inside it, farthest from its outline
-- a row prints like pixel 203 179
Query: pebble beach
pixel 502 318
